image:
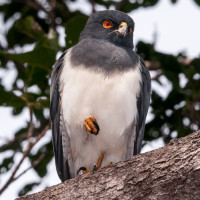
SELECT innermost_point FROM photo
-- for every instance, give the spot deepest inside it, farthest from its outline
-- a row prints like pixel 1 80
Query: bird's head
pixel 110 25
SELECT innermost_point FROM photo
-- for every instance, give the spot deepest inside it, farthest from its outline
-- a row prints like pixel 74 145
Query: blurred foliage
pixel 37 23
pixel 28 188
pixel 178 113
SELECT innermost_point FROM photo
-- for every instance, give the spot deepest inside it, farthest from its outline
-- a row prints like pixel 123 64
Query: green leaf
pixel 42 103
pixel 36 76
pixel 27 188
pixel 9 9
pixel 127 6
pixel 6 164
pixel 197 2
pixel 25 31
pixel 173 1
pixel 10 99
pixel 73 28
pixel 41 168
pixel 107 3
pixel 41 56
pixel 29 27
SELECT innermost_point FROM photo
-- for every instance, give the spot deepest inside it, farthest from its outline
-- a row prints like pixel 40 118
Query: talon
pixel 108 164
pixel 91 125
pixel 84 170
pixel 94 168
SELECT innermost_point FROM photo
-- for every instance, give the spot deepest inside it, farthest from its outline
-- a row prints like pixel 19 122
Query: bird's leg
pixel 91 125
pixel 100 159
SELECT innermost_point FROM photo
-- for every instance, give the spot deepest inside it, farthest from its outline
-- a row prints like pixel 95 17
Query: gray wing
pixel 142 106
pixel 61 143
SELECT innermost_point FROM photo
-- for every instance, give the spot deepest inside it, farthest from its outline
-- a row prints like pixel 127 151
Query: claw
pixel 84 170
pixel 96 166
pixel 108 164
pixel 91 125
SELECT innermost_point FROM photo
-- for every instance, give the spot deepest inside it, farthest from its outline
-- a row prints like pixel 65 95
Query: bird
pixel 99 97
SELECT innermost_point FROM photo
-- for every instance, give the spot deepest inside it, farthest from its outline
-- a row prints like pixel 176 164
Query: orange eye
pixel 107 24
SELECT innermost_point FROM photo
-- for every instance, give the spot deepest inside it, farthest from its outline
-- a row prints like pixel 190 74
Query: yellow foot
pixel 84 170
pixel 100 159
pixel 96 166
pixel 91 125
pixel 108 164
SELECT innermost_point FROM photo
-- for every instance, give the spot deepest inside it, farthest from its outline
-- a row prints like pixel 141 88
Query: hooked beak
pixel 122 29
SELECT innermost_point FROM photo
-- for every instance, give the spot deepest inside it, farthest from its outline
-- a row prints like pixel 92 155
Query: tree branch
pixel 152 65
pixel 170 172
pixel 119 5
pixel 30 145
pixel 159 73
pixel 33 4
pixel 35 163
pixel 13 141
pixel 92 2
pixel 37 6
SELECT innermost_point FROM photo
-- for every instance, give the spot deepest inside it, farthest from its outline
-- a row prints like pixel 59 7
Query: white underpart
pixel 112 100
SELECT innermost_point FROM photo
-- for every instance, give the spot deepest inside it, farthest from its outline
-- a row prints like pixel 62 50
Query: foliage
pixel 177 114
pixel 37 25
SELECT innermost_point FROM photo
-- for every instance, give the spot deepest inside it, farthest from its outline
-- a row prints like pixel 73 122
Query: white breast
pixel 112 100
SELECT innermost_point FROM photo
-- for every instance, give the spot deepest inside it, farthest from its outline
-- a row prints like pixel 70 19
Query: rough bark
pixel 171 172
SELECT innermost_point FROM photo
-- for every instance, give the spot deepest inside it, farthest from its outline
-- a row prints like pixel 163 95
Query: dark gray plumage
pixel 101 59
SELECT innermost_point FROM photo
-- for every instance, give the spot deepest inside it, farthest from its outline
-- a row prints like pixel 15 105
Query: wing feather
pixel 142 106
pixel 60 137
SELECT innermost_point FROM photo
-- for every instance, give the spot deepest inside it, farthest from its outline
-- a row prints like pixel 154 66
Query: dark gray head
pixel 110 25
